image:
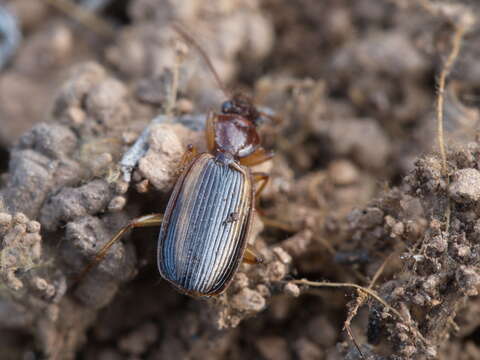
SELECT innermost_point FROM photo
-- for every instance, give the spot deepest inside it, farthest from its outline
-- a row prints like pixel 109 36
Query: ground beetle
pixel 204 231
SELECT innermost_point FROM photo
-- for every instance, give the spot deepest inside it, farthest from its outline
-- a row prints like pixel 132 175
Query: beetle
pixel 205 228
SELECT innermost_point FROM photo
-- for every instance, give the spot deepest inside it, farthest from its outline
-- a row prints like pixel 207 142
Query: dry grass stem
pixel 359 301
pixel 447 67
pixel 367 291
pixel 462 20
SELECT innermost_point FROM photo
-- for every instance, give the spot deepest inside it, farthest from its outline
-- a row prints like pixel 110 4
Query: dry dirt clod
pixel 465 187
pixel 273 348
pixel 343 172
pixel 117 203
pixel 167 144
pixel 292 289
pixel 137 342
pixel 72 203
pixel 248 300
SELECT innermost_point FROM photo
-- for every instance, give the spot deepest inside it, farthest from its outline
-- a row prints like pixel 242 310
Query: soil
pixel 359 200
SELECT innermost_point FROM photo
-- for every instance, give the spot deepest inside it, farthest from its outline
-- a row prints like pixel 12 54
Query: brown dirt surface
pixel 97 110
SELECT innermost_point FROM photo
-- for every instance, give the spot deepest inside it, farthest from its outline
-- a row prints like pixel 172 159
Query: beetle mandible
pixel 205 227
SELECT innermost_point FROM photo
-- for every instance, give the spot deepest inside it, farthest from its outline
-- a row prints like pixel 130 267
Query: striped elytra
pixel 204 231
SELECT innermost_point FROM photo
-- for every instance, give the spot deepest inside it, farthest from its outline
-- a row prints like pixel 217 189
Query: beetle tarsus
pixel 252 257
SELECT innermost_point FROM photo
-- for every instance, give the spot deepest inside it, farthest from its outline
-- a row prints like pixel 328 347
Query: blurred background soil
pixel 358 189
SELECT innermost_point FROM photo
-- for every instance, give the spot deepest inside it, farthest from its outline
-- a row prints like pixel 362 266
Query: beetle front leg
pixel 260 177
pixel 257 157
pixel 143 221
pixel 210 132
pixel 251 256
pixel 187 157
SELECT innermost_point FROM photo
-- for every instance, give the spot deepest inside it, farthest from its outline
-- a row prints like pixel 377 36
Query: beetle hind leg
pixel 263 178
pixel 251 256
pixel 143 221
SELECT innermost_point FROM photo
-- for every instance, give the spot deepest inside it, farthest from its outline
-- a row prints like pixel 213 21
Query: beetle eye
pixel 227 107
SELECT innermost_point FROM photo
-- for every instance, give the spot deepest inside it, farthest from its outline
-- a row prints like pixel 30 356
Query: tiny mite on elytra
pixel 205 228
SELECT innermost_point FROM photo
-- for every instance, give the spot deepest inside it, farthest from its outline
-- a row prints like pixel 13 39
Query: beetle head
pixel 241 105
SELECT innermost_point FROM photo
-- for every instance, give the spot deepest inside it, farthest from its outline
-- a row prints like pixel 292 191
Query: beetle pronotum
pixel 204 231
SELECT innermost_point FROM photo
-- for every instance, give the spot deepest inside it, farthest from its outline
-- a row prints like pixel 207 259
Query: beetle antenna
pixel 187 37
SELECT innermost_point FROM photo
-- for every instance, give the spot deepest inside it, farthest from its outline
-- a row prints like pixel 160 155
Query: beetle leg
pixel 210 131
pixel 187 157
pixel 257 177
pixel 251 256
pixel 276 224
pixel 257 157
pixel 143 221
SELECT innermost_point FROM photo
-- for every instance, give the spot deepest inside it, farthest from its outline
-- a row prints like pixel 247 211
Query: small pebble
pixel 465 187
pixel 121 187
pixel 13 282
pixel 101 162
pixel 343 172
pixel 143 186
pixel 117 203
pixel 398 229
pixel 277 270
pixel 40 283
pixel 74 115
pixel 248 300
pixel 240 281
pixel 292 289
pixel 129 137
pixel 264 290
pixel 33 227
pixel 5 219
pixel 20 218
pixel 468 280
pixel 463 251
pixel 282 255
pixel 299 243
pixel 184 106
